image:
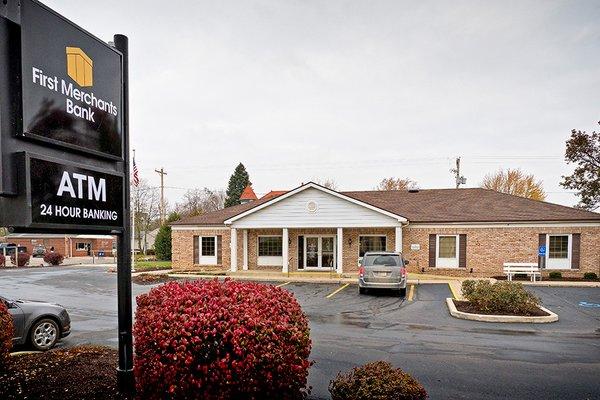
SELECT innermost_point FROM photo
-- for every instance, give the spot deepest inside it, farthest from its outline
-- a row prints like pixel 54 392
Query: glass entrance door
pixel 311 252
pixel 319 252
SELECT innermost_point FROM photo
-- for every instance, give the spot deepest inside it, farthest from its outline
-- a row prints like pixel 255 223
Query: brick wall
pixel 489 248
pixel 183 248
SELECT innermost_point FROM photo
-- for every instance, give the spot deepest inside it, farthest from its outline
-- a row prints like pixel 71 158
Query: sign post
pixel 64 139
pixel 125 377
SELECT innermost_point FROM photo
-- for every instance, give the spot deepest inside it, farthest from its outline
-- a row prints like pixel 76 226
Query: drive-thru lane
pixel 452 358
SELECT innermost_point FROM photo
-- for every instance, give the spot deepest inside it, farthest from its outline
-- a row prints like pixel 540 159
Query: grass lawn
pixel 152 265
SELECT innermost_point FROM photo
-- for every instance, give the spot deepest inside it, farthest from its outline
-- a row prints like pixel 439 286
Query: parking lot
pixel 452 358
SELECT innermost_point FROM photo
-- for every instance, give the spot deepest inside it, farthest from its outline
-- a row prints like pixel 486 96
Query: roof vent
pixel 413 190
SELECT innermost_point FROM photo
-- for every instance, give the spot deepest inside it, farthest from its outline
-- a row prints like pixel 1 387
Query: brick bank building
pixel 462 232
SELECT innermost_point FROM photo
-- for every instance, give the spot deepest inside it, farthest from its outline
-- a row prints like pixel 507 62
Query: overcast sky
pixel 353 91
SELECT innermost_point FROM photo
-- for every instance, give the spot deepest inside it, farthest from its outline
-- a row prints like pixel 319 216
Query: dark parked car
pixel 38 323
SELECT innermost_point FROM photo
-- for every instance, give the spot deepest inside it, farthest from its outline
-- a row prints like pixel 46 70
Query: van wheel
pixel 362 290
pixel 402 292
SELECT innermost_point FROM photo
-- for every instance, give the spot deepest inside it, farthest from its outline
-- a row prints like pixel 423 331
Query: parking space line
pixel 411 293
pixel 454 294
pixel 337 291
pixel 283 284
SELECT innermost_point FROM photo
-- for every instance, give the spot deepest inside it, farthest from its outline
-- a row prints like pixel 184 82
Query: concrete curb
pixel 22 353
pixel 583 284
pixel 500 318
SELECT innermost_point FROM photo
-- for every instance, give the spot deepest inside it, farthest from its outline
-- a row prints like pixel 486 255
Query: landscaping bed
pixel 499 302
pixel 83 372
pixel 468 307
pixel 151 279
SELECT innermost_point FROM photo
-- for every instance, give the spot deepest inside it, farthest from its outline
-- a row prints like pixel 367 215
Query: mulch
pixel 78 373
pixel 151 279
pixel 468 307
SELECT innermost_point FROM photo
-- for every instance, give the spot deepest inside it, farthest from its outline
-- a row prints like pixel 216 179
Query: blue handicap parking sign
pixel 542 251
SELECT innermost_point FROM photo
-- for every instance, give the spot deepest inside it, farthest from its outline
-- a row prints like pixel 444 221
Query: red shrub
pixel 220 340
pixel 23 259
pixel 6 336
pixel 2 260
pixel 54 258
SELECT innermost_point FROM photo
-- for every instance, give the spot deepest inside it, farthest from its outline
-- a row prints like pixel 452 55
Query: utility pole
pixel 460 180
pixel 162 174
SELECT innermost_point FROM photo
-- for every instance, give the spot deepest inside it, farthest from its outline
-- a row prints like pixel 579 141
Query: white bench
pixel 530 269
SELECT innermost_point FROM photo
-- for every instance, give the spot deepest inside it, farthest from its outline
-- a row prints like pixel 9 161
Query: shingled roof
pixel 438 206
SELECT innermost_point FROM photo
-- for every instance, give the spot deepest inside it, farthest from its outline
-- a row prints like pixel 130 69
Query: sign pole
pixel 125 378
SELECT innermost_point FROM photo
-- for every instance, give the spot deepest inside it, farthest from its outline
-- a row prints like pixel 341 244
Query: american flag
pixel 136 174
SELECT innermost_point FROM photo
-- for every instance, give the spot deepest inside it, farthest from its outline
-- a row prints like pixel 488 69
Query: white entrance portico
pixel 310 228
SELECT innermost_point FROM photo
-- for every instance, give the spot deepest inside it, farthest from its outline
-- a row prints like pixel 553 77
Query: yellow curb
pixel 411 293
pixel 337 291
pixel 283 284
pixel 454 292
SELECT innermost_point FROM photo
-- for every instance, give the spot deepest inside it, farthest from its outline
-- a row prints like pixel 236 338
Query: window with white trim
pixel 208 250
pixel 447 251
pixel 558 251
pixel 371 243
pixel 81 246
pixel 270 246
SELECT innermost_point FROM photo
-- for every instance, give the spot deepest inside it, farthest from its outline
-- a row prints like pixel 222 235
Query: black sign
pixel 63 194
pixel 72 84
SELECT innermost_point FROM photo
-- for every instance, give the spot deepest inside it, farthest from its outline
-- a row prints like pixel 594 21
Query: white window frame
pixel 81 249
pixel 319 266
pixel 559 263
pixel 207 260
pixel 445 262
pixel 269 261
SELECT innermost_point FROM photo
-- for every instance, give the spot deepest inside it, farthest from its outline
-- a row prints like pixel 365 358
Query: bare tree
pixel 199 201
pixel 516 182
pixel 328 183
pixel 396 184
pixel 145 201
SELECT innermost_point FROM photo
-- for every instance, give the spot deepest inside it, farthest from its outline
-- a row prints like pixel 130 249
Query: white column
pixel 340 250
pixel 233 246
pixel 285 251
pixel 245 233
pixel 398 244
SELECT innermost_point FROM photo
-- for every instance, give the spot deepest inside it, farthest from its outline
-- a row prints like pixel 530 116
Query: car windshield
pixel 390 260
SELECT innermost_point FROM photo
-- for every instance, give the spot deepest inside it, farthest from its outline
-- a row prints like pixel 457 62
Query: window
pixel 558 251
pixel 559 247
pixel 270 246
pixel 371 243
pixel 208 245
pixel 207 250
pixel 447 247
pixel 447 251
pixel 385 260
pixel 80 246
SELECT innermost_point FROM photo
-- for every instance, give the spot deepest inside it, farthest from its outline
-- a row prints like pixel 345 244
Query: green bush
pixel 162 244
pixel 500 297
pixel 555 275
pixel 590 276
pixel 376 380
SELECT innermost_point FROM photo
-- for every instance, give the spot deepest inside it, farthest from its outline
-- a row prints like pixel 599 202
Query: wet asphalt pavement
pixel 453 359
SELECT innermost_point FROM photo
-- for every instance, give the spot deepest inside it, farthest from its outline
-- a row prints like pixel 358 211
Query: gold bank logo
pixel 80 67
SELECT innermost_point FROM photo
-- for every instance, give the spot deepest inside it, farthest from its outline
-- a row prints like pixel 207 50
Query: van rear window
pixel 382 259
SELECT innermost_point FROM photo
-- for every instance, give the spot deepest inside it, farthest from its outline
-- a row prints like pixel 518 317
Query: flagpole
pixel 133 228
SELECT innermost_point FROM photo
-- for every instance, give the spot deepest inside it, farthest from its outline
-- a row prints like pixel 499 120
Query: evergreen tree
pixel 162 243
pixel 237 183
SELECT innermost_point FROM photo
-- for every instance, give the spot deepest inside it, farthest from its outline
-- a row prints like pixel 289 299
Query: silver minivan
pixel 382 270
